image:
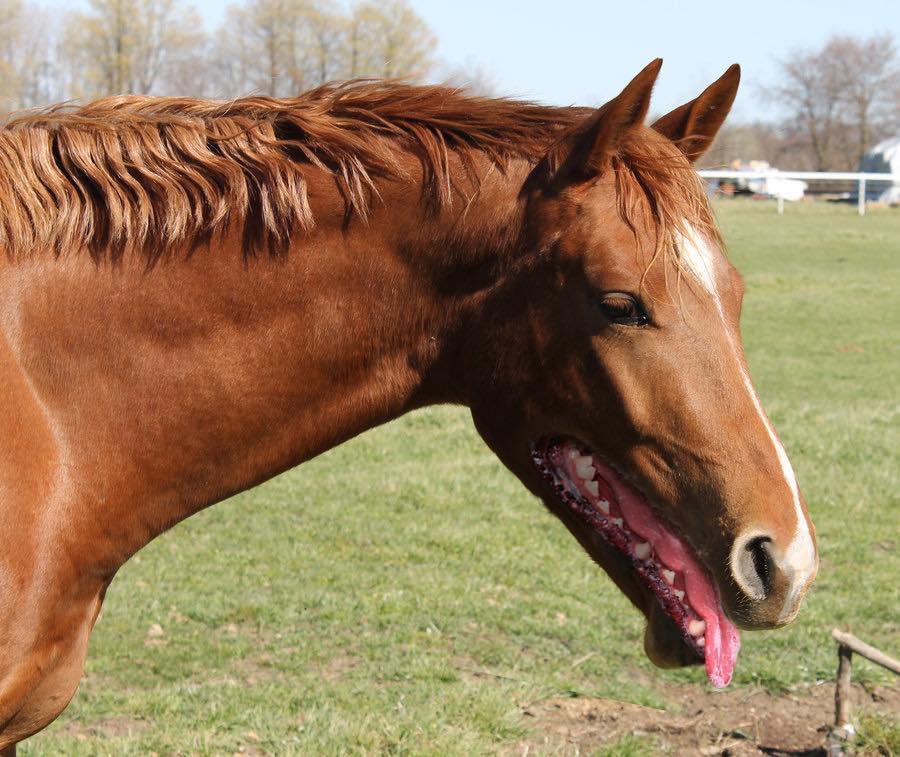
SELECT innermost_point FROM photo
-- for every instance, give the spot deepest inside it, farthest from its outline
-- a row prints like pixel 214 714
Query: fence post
pixel 781 205
pixel 842 692
pixel 847 645
pixel 862 197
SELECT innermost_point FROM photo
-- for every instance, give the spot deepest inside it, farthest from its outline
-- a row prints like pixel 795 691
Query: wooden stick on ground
pixel 842 690
pixel 847 645
pixel 867 651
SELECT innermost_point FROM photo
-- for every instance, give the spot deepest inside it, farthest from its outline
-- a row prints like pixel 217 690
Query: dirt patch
pixel 106 728
pixel 741 722
pixel 338 668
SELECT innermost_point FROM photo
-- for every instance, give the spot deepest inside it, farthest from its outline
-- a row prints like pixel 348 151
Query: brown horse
pixel 197 296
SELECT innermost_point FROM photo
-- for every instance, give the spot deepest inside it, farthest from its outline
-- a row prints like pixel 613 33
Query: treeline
pixel 838 102
pixel 275 47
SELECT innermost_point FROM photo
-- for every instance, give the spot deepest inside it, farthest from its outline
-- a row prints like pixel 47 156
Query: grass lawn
pixel 402 593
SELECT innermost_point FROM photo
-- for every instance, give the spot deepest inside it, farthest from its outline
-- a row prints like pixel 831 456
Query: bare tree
pixel 326 31
pixel 810 91
pixel 279 47
pixel 234 64
pixel 868 77
pixel 134 46
pixel 282 47
pixel 841 98
pixel 29 66
pixel 386 38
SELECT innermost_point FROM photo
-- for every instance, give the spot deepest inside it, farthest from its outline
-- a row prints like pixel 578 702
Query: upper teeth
pixel 697 627
pixel 604 505
pixel 669 575
pixel 642 550
pixel 593 487
pixel 584 468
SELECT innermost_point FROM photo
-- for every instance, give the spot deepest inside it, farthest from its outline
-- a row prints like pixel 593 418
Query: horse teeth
pixel 593 487
pixel 697 628
pixel 669 575
pixel 680 594
pixel 701 641
pixel 619 522
pixel 584 469
pixel 642 550
pixel 604 506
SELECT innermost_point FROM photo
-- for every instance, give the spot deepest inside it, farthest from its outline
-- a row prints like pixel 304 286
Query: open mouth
pixel 662 560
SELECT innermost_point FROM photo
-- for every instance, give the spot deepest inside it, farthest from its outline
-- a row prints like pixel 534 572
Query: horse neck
pixel 457 260
pixel 173 389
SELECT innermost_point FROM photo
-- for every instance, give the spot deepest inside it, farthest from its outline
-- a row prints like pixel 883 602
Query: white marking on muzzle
pixel 799 559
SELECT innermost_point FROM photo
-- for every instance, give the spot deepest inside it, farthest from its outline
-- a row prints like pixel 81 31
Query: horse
pixel 198 295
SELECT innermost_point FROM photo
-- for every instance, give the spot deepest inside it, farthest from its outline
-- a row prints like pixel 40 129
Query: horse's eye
pixel 623 309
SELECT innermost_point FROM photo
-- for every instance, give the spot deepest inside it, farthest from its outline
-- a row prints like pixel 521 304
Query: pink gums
pixel 722 640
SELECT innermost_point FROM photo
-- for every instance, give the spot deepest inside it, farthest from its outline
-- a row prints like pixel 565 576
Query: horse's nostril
pixel 762 562
pixel 753 566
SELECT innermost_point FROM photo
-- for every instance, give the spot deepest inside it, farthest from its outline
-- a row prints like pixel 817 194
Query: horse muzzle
pixel 771 577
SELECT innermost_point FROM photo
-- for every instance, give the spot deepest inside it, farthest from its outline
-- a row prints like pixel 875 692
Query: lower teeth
pixel 642 550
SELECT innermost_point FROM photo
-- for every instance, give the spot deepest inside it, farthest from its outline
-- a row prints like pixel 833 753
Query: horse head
pixel 615 385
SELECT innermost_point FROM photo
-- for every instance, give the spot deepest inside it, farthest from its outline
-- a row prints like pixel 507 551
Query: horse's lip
pixel 668 568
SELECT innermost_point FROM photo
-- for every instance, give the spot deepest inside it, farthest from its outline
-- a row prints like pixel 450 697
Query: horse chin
pixel 686 621
pixel 663 641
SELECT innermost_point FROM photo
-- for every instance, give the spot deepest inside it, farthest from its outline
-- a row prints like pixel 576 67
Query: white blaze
pixel 699 260
pixel 799 560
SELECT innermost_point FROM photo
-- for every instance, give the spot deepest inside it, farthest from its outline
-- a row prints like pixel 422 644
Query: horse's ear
pixel 694 125
pixel 592 145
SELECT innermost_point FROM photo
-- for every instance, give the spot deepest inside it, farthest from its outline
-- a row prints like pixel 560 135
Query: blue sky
pixel 583 51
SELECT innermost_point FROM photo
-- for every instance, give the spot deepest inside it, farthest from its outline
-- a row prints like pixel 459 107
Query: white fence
pixel 859 178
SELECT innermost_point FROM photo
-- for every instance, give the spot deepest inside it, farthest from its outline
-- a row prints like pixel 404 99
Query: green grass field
pixel 402 593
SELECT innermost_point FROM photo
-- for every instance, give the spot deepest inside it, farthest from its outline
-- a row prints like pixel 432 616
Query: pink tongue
pixel 722 638
pixel 722 645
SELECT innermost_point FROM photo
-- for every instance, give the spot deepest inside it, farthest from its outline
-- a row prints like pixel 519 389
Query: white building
pixel 883 158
